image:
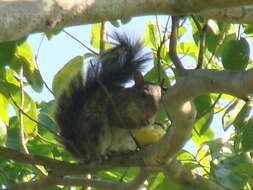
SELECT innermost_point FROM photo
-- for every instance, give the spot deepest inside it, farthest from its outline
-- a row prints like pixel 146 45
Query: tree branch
pixel 19 18
pixel 198 82
pixel 40 184
pixel 239 15
pixel 174 170
pixel 65 168
pixel 178 173
pixel 60 166
pixel 46 182
pixel 173 46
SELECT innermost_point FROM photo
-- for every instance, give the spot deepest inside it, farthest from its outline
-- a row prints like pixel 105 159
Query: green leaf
pixel 156 181
pixel 242 117
pixel 248 29
pixel 117 173
pixel 8 75
pixel 63 76
pixel 3 132
pixel 43 149
pixel 13 138
pixel 244 169
pixel 24 57
pixel 247 140
pixel 95 35
pixel 185 155
pixel 152 75
pixel 151 35
pixel 167 183
pixel 235 55
pixel 36 81
pixel 217 34
pixel 7 50
pixel 217 37
pixel 223 172
pixel 188 48
pixel 181 31
pixel 213 36
pixel 164 55
pixel 47 121
pixel 215 147
pixel 53 32
pixel 116 23
pixel 125 20
pixel 203 104
pixel 4 108
pixel 204 123
pixel 47 107
pixel 199 139
pixel 231 113
pixel 29 107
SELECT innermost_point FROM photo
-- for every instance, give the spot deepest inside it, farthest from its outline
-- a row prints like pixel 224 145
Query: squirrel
pixel 96 113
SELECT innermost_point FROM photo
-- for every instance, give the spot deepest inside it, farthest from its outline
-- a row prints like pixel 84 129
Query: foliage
pixel 227 162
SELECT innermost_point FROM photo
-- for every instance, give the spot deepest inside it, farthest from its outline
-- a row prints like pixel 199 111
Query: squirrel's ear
pixel 138 79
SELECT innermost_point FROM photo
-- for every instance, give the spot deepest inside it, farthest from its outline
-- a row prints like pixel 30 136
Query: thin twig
pixel 220 42
pixel 158 28
pixel 162 42
pixel 226 106
pixel 21 118
pixel 123 175
pixel 32 119
pixel 73 37
pixel 202 41
pixel 36 62
pixel 103 37
pixel 173 46
pixel 210 108
pixel 239 31
pixel 48 141
pixel 23 140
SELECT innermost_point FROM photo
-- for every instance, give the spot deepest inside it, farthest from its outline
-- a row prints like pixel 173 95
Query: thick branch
pixel 19 18
pixel 242 15
pixel 174 170
pixel 197 82
pixel 106 184
pixel 60 166
pixel 65 168
pixel 51 180
pixel 41 184
pixel 181 175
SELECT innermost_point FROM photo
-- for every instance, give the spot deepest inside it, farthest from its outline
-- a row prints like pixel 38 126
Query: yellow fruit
pixel 148 135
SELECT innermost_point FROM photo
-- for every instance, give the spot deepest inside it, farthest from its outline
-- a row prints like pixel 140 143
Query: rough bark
pixel 19 18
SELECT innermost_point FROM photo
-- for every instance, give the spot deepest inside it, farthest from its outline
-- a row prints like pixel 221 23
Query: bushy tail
pixel 69 106
pixel 115 66
pixel 121 62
